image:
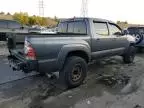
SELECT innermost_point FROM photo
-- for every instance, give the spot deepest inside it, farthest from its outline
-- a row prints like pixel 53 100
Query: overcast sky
pixel 124 10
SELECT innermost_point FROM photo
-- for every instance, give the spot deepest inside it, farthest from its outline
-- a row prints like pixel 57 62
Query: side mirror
pixel 125 32
pixel 118 33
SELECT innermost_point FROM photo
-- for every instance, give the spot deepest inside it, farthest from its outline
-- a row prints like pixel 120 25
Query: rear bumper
pixel 21 64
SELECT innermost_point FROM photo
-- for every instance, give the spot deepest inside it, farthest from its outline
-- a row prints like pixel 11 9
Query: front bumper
pixel 26 66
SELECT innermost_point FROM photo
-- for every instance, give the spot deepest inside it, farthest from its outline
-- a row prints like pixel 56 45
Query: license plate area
pixel 13 62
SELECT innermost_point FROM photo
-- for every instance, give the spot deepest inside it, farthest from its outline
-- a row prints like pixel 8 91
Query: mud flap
pixel 61 83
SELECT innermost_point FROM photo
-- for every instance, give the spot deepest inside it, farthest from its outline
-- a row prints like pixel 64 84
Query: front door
pixel 121 41
pixel 102 41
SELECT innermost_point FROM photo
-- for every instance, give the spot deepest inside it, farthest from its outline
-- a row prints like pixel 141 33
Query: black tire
pixel 129 56
pixel 68 71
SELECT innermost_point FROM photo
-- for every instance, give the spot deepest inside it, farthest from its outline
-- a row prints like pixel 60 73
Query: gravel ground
pixel 98 90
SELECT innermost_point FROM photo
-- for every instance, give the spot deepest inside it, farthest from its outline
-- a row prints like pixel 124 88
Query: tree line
pixel 25 19
pixel 123 24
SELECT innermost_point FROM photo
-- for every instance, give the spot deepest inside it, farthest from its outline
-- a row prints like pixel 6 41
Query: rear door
pixel 120 41
pixel 102 42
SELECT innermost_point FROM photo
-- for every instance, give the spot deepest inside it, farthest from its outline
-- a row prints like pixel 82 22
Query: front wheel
pixel 74 71
pixel 129 56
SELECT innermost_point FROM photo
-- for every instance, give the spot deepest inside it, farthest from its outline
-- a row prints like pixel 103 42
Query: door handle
pixel 98 39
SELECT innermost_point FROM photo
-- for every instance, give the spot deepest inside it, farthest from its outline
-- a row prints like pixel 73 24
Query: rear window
pixel 77 27
pixel 70 27
pixel 62 27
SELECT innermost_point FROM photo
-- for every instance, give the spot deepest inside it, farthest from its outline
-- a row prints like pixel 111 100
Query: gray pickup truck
pixel 77 42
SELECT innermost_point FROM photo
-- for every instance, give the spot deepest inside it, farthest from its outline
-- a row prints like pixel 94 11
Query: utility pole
pixel 84 8
pixel 41 8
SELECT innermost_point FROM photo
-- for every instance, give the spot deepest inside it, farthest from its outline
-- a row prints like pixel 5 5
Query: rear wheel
pixel 129 56
pixel 74 71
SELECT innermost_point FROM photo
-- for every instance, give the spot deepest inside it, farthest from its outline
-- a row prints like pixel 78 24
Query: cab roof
pixel 82 18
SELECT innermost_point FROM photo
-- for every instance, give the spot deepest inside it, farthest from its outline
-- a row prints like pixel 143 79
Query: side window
pixel 71 27
pixel 141 30
pixel 131 30
pixel 114 29
pixel 3 24
pixel 13 25
pixel 62 27
pixel 101 28
pixel 78 27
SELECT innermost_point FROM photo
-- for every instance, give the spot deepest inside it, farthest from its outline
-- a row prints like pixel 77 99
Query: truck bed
pixel 16 41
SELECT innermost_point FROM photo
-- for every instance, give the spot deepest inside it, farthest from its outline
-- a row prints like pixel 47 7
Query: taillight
pixel 29 51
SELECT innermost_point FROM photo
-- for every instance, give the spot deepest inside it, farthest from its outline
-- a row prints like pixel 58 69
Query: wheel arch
pixel 77 50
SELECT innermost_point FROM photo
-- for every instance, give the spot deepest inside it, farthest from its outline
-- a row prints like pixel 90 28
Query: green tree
pixel 56 19
pixel 21 17
pixel 25 19
pixel 118 22
pixel 122 24
pixel 32 20
pixel 40 20
pixel 8 13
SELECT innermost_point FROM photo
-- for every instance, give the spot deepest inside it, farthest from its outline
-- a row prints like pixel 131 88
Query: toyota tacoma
pixel 77 42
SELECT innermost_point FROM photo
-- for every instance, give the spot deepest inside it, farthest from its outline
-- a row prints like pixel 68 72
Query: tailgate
pixel 16 41
pixel 17 58
pixel 18 62
pixel 17 54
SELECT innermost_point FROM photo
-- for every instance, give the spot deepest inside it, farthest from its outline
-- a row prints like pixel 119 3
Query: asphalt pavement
pixel 7 74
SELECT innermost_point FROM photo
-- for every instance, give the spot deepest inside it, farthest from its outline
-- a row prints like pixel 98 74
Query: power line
pixel 41 8
pixel 84 8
